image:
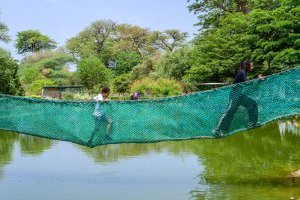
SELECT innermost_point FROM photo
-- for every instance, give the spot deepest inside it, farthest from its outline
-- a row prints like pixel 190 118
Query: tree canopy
pixel 122 54
pixel 9 80
pixel 93 73
pixel 33 41
pixel 4 32
pixel 265 31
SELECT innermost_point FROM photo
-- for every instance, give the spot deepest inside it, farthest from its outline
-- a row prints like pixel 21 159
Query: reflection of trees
pixel 113 153
pixel 233 166
pixel 34 145
pixel 291 125
pixel 7 140
pixel 29 145
pixel 246 160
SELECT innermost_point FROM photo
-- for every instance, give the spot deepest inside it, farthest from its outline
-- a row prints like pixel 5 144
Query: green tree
pixel 125 61
pixel 93 73
pixel 174 65
pixel 268 33
pixel 167 40
pixel 33 41
pixel 217 52
pixel 210 12
pixel 132 38
pixel 51 65
pixel 35 88
pixel 122 83
pixel 4 32
pixel 277 36
pixel 142 70
pixel 95 40
pixel 9 80
pixel 29 75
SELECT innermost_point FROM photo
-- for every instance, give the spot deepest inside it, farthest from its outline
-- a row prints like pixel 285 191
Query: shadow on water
pixel 256 164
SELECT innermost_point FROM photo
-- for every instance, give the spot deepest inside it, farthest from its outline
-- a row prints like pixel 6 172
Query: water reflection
pixel 7 141
pixel 289 126
pixel 251 164
pixel 34 146
pixel 6 149
pixel 115 153
pixel 256 164
pixel 29 146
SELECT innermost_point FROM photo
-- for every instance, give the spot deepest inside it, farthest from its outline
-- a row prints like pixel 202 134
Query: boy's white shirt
pixel 99 97
pixel 98 112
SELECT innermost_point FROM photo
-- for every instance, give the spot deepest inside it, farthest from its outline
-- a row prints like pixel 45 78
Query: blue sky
pixel 63 19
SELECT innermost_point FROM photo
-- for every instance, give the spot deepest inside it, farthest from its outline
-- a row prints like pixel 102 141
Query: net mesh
pixel 209 114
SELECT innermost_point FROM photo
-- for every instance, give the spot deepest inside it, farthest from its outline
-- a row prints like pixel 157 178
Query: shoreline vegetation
pixel 129 58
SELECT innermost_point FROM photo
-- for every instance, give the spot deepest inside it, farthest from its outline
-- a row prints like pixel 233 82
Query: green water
pixel 251 165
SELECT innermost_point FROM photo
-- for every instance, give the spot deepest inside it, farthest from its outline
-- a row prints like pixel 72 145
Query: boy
pixel 100 116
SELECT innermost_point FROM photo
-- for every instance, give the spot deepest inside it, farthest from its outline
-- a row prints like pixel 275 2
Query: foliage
pixel 55 60
pixel 95 40
pixel 4 32
pixel 168 40
pixel 30 74
pixel 60 77
pixel 93 73
pixel 267 33
pixel 210 12
pixel 143 70
pixel 174 65
pixel 107 39
pixel 157 88
pixel 277 32
pixel 121 84
pixel 132 38
pixel 126 60
pixel 4 53
pixel 218 52
pixel 33 41
pixel 35 88
pixel 9 80
pixel 46 65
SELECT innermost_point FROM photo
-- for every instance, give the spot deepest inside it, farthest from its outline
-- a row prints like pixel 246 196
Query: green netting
pixel 214 113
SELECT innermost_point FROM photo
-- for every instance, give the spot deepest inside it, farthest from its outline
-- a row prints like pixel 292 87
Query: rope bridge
pixel 209 114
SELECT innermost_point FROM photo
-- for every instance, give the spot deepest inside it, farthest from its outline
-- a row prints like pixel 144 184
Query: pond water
pixel 256 164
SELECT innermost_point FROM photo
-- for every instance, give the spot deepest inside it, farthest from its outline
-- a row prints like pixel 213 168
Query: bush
pixel 157 88
pixel 93 73
pixel 9 80
pixel 68 96
pixel 126 60
pixel 143 70
pixel 82 96
pixel 122 83
pixel 36 87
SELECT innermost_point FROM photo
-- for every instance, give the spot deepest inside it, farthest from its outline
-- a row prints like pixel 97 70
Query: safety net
pixel 209 114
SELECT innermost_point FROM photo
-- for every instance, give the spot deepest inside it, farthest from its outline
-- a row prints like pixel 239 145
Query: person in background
pixel 237 98
pixel 100 116
pixel 135 96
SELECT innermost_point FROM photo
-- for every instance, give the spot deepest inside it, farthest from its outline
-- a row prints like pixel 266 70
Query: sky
pixel 63 19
